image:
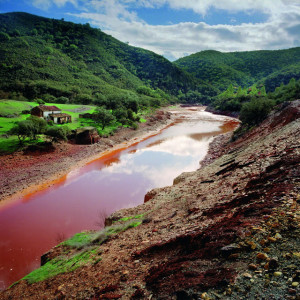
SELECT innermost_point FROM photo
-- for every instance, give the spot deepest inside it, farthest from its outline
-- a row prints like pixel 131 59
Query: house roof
pixel 48 108
pixel 59 115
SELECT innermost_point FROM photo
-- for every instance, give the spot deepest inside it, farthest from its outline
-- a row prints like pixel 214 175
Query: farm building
pixel 51 113
pixel 60 118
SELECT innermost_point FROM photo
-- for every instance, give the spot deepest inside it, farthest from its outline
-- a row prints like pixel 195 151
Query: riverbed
pixel 82 199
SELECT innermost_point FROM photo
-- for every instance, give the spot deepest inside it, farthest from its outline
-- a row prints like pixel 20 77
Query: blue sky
pixel 175 28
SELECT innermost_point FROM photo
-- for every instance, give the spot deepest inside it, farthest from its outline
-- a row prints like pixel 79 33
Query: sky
pixel 176 28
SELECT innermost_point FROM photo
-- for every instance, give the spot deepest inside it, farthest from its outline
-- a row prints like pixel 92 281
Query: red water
pixel 80 201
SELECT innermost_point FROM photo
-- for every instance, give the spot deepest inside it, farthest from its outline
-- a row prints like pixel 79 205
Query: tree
pixel 57 133
pixel 121 115
pixel 62 100
pixel 4 36
pixel 255 111
pixel 241 92
pixel 132 103
pixel 39 125
pixel 22 130
pixel 84 99
pixel 103 117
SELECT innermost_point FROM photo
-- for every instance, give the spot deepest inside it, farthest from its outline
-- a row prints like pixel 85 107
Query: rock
pixel 262 256
pixel 271 239
pixel 205 296
pixel 277 274
pixel 230 249
pixel 247 275
pixel 278 236
pixel 273 263
pixel 149 195
pixel 234 256
pixel 292 291
pixel 295 284
pixel 87 136
pixel 252 267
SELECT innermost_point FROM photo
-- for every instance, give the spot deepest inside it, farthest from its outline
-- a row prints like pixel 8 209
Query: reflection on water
pixel 81 200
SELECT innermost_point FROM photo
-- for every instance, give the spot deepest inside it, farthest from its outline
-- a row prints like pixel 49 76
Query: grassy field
pixel 11 112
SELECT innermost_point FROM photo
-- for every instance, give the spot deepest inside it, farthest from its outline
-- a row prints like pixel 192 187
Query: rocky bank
pixel 229 230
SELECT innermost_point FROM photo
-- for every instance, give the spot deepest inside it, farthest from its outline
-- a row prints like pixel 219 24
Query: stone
pixel 247 275
pixel 292 291
pixel 278 236
pixel 271 239
pixel 262 256
pixel 151 194
pixel 87 136
pixel 273 263
pixel 295 284
pixel 252 267
pixel 277 274
pixel 230 249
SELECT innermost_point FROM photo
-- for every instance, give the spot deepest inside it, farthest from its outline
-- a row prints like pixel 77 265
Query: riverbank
pixel 22 173
pixel 229 230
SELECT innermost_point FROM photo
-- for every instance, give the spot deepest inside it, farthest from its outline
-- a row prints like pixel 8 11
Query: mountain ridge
pixel 46 50
pixel 243 68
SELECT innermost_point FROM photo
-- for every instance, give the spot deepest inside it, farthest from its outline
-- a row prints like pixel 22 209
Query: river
pixel 34 223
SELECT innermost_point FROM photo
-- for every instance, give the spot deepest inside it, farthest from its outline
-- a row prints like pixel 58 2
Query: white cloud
pixel 119 19
pixel 46 4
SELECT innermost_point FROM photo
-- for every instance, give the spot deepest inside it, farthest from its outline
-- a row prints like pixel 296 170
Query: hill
pixel 244 68
pixel 41 57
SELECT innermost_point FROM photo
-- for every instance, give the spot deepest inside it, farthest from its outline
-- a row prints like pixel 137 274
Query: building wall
pixel 47 113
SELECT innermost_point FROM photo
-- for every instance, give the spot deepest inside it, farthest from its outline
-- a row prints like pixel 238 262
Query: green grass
pixel 61 265
pixel 86 239
pixel 14 107
pixel 8 107
pixel 130 218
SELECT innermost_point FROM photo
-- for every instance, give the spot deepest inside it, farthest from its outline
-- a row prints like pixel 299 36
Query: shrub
pixel 103 117
pixel 40 101
pixel 4 36
pixel 255 111
pixel 84 99
pixel 62 100
pixel 49 98
pixel 58 133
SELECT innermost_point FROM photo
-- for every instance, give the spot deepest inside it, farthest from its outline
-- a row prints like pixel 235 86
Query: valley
pixel 124 175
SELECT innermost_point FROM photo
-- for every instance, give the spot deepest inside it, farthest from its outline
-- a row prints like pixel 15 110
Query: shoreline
pixel 24 175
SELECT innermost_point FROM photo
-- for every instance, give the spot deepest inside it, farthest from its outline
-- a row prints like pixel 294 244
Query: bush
pixel 62 100
pixel 4 36
pixel 40 101
pixel 103 117
pixel 49 98
pixel 84 99
pixel 57 133
pixel 255 111
pixel 25 112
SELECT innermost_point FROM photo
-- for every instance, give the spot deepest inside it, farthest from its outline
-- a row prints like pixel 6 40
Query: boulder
pixel 87 136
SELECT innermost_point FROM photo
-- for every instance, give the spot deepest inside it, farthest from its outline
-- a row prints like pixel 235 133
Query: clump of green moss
pixel 62 264
pixel 85 239
pixel 130 218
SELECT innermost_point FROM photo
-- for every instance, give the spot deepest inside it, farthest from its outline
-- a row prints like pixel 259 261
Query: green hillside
pixel 47 58
pixel 244 68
